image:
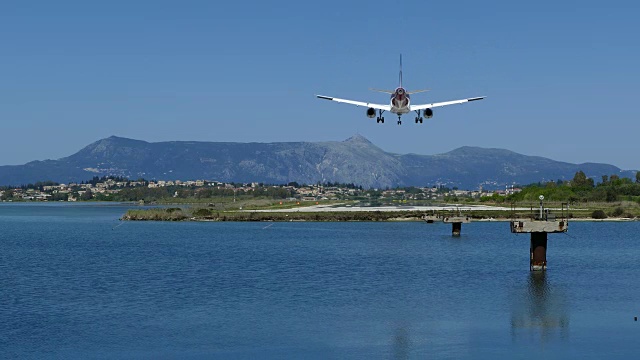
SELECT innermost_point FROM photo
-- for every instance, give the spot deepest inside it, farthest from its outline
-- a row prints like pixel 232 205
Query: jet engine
pixel 428 113
pixel 371 112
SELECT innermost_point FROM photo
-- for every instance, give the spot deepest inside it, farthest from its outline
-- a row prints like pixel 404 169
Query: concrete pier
pixel 431 218
pixel 538 251
pixel 456 223
pixel 539 226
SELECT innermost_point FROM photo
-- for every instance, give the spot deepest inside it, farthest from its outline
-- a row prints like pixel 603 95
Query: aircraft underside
pixel 428 113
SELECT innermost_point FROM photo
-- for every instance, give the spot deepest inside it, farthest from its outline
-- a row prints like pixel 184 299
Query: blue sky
pixel 561 78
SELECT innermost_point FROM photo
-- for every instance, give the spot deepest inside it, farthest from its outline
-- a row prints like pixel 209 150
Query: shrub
pixel 598 214
pixel 202 212
pixel 617 212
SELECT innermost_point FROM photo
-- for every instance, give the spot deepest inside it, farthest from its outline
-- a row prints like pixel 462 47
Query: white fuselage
pixel 400 101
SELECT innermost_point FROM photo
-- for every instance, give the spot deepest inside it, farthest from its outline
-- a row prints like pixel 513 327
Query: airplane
pixel 400 103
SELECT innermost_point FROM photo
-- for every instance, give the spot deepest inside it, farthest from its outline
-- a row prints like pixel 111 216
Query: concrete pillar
pixel 456 228
pixel 538 251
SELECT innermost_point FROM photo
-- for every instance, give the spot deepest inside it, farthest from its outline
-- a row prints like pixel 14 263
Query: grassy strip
pixel 171 214
pixel 219 214
pixel 204 214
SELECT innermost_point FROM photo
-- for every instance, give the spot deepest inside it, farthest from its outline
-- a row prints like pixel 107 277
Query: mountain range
pixel 355 160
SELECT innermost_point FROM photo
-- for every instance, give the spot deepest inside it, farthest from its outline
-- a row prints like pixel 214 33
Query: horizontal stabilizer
pixel 417 91
pixel 383 91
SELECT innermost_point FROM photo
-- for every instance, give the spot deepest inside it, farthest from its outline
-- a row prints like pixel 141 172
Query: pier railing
pixel 541 213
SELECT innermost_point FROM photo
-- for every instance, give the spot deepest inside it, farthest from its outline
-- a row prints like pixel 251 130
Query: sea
pixel 78 283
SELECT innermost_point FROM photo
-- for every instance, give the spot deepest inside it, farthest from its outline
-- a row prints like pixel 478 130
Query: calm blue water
pixel 77 283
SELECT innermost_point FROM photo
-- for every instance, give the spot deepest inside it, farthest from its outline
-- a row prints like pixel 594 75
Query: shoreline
pixel 328 215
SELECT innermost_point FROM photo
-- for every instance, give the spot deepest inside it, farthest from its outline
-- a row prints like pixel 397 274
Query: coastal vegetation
pixel 581 197
pixel 204 214
pixel 579 190
pixel 199 213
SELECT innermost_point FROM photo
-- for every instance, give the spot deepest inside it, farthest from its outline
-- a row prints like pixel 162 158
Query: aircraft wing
pixel 445 103
pixel 357 103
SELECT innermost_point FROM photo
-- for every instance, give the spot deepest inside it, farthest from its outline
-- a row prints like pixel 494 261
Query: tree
pixel 617 212
pixel 605 179
pixel 637 177
pixel 87 195
pixel 8 194
pixel 59 197
pixel 581 180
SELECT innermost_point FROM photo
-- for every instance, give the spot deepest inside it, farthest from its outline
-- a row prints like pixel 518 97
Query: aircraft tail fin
pixel 400 70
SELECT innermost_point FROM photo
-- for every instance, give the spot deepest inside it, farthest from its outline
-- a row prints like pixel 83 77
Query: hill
pixel 355 160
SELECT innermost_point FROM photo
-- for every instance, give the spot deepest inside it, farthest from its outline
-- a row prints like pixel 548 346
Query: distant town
pixel 623 191
pixel 122 189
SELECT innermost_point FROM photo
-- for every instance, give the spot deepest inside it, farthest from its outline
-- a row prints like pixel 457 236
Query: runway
pixel 340 208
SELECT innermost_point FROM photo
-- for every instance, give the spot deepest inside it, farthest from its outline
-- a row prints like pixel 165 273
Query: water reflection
pixel 401 343
pixel 541 310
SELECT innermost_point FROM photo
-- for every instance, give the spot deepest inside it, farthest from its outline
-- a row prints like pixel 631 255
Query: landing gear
pixel 380 118
pixel 399 121
pixel 418 118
